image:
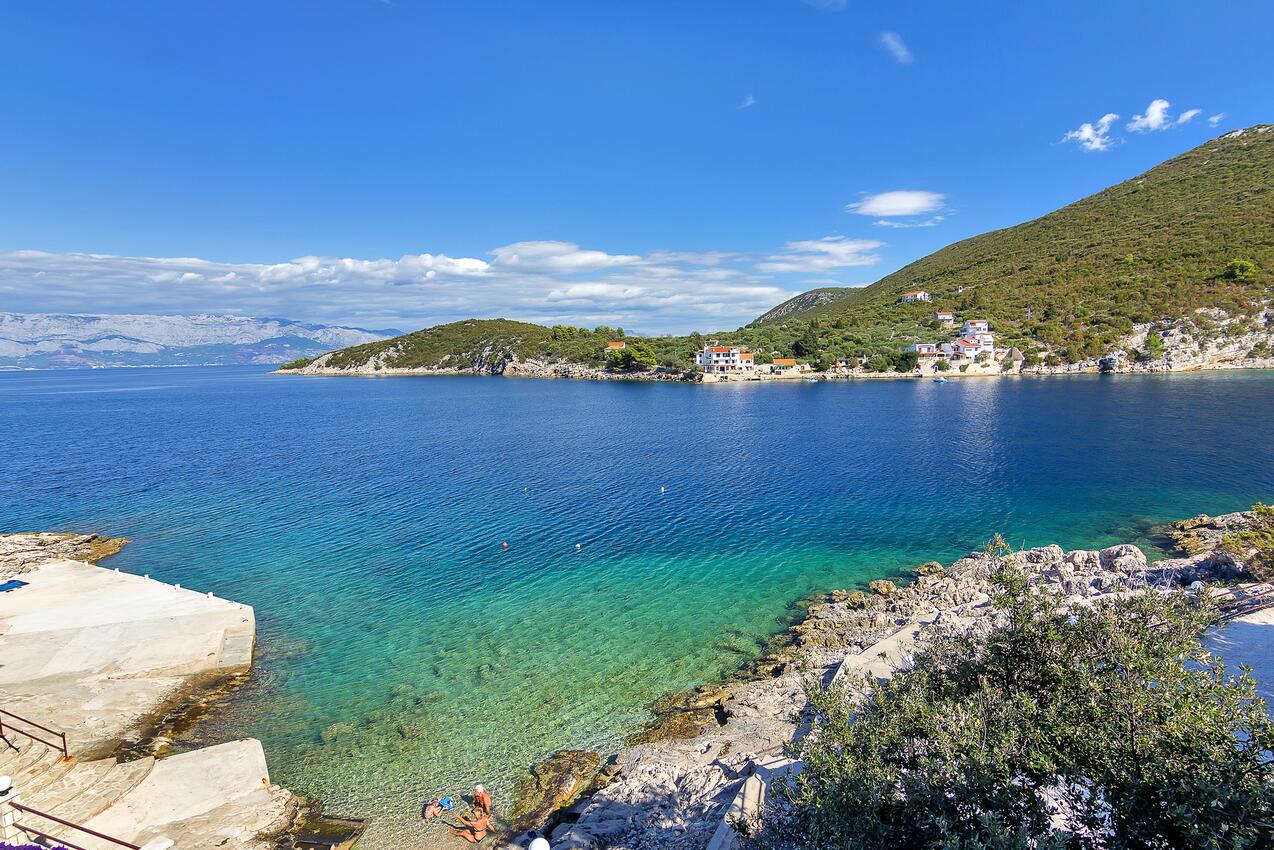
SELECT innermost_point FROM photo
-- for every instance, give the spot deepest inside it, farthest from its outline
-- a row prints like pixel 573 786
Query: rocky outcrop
pixel 23 552
pixel 487 362
pixel 671 786
pixel 1209 338
pixel 552 785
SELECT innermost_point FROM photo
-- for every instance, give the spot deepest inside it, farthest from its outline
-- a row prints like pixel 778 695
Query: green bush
pixel 1240 270
pixel 1103 728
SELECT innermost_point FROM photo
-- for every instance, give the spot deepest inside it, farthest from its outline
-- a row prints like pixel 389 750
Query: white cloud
pixel 1154 118
pixel 1188 116
pixel 1095 136
pixel 556 258
pixel 747 102
pixel 1214 120
pixel 538 281
pixel 899 202
pixel 896 47
pixel 821 255
pixel 932 221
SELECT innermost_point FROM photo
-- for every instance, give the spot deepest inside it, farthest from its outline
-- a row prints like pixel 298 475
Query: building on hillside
pixel 851 362
pixel 969 347
pixel 925 349
pixel 918 295
pixel 975 326
pixel 946 320
pixel 725 359
pixel 616 346
pixel 787 366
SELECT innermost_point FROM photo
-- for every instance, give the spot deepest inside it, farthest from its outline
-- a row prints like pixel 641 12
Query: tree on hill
pixel 1106 728
pixel 634 355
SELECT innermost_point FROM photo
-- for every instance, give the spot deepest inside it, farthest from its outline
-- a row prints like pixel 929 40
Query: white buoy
pixel 577 546
pixel 662 489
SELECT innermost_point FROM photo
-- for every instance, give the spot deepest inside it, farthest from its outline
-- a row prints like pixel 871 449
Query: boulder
pixel 552 785
pixel 1124 558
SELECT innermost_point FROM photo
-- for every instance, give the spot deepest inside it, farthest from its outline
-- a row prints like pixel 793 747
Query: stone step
pixel 98 797
pixel 83 775
pixel 32 755
pixel 49 774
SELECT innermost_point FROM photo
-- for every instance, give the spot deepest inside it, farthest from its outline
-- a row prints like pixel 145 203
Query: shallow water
pixel 403 652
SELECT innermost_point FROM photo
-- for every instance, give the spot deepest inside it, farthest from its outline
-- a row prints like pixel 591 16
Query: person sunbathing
pixel 475 829
pixel 435 808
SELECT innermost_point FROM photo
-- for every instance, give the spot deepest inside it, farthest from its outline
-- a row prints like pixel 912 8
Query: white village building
pixel 918 295
pixel 725 359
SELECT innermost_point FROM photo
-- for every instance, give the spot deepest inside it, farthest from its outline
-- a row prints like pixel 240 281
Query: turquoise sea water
pixel 403 652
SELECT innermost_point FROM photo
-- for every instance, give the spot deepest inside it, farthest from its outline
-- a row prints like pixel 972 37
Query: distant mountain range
pixel 76 341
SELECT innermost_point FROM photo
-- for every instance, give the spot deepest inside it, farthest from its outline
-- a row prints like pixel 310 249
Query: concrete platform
pixel 96 652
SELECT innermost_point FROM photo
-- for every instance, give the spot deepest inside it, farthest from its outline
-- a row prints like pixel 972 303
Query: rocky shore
pixel 506 365
pixel 671 787
pixel 22 553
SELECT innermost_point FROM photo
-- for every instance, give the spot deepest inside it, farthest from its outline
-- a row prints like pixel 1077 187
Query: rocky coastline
pixel 670 787
pixel 1207 340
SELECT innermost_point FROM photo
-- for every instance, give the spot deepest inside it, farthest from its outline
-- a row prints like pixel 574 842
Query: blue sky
pixel 666 166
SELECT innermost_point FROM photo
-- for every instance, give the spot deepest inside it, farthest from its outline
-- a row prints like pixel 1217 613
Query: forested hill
pixel 1196 231
pixel 1158 245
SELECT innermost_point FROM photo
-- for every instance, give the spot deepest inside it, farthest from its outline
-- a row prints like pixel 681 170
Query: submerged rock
pixel 552 785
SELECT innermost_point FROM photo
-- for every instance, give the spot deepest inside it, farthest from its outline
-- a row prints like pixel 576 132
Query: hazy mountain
pixel 75 341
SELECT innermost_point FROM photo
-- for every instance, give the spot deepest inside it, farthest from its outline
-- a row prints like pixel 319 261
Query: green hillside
pixel 1156 246
pixel 1064 286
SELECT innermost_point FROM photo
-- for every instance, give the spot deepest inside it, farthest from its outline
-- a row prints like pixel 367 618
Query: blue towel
pixel 447 804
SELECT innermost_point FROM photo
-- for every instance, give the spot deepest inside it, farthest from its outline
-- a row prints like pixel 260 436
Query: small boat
pixel 939 380
pixel 811 380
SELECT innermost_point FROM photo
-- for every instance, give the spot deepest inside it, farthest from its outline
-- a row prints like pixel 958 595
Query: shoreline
pixel 586 374
pixel 689 733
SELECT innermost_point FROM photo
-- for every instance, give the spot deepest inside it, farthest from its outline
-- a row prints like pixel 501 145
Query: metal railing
pixel 62 841
pixel 59 744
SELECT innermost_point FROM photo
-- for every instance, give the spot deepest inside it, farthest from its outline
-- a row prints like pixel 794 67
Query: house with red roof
pixel 917 295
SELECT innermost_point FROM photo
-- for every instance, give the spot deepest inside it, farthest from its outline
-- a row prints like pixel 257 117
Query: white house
pixel 947 320
pixel 918 295
pixel 787 366
pixel 969 347
pixel 725 359
pixel 925 349
pixel 975 326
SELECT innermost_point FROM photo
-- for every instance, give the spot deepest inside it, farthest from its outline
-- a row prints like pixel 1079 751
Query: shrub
pixel 943 365
pixel 1240 270
pixel 1103 728
pixel 292 364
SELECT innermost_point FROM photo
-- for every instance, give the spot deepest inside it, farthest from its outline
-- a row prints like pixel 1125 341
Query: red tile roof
pixel 781 361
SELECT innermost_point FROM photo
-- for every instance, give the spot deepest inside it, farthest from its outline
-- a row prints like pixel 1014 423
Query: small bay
pixel 657 533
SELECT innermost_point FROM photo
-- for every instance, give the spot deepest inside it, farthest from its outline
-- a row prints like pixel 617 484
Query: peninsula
pixel 1168 271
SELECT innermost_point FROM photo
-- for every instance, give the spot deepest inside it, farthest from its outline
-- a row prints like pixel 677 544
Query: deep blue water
pixel 403 651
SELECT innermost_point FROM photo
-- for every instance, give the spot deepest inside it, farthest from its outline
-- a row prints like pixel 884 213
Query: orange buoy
pixel 504 545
